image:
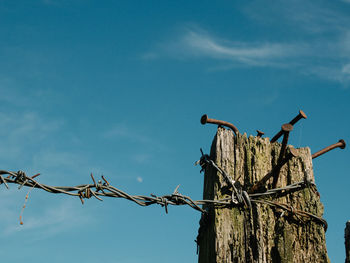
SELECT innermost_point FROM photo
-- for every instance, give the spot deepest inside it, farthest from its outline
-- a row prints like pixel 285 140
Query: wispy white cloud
pixel 200 43
pixel 29 142
pixel 43 220
pixel 322 48
pixel 22 131
pixel 195 42
pixel 52 220
pixel 322 25
pixel 338 74
pixel 21 124
pixel 315 17
pixel 33 142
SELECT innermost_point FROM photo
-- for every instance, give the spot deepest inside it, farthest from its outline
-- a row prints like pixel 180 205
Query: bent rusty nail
pixel 292 153
pixel 301 115
pixel 286 128
pixel 260 133
pixel 205 119
pixel 341 144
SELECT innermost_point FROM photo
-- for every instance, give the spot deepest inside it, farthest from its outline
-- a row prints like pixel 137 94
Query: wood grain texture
pixel 264 233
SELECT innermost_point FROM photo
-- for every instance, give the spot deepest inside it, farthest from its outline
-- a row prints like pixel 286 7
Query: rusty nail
pixel 286 128
pixel 301 115
pixel 260 133
pixel 205 119
pixel 292 153
pixel 341 144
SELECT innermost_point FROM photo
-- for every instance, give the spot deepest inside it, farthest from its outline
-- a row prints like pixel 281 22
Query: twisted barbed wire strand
pixel 100 189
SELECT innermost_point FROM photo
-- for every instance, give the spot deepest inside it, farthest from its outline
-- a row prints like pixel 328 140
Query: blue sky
pixel 118 87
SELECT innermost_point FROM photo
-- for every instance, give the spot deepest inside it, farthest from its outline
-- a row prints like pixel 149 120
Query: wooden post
pixel 263 233
pixel 347 242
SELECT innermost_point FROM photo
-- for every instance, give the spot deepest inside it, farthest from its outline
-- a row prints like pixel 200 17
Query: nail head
pixel 260 132
pixel 204 119
pixel 287 127
pixel 344 144
pixel 302 114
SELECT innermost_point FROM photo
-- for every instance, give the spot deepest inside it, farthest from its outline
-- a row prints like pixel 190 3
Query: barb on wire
pixel 239 196
pixel 205 161
pixel 99 189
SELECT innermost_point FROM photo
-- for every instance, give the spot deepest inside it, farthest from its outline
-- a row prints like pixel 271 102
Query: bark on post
pixel 347 242
pixel 264 233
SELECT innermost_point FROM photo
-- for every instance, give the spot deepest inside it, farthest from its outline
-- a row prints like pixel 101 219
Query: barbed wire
pixel 243 197
pixel 295 212
pixel 103 188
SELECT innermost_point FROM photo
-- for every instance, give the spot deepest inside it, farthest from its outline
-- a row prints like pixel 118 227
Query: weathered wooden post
pixel 347 242
pixel 282 227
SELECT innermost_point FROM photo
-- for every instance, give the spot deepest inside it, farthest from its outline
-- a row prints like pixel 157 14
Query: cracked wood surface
pixel 263 234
